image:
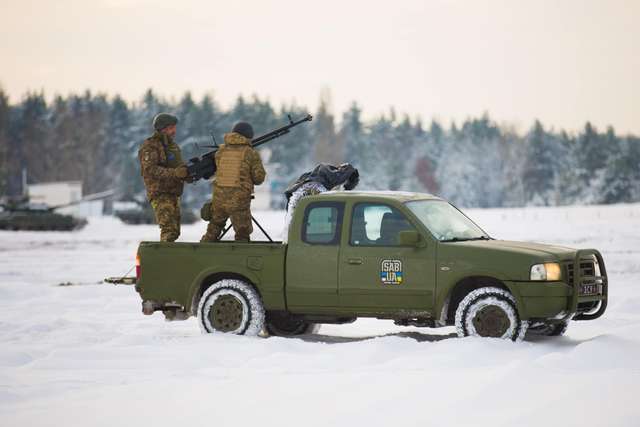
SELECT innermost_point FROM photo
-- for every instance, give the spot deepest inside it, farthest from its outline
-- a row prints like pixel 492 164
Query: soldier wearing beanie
pixel 164 174
pixel 239 168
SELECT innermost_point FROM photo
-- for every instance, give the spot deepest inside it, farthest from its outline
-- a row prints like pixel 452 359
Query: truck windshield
pixel 445 222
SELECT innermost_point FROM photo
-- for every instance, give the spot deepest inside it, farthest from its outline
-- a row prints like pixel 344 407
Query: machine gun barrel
pixel 90 197
pixel 256 142
pixel 205 165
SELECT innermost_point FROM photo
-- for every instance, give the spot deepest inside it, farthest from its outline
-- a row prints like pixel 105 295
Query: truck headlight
pixel 549 271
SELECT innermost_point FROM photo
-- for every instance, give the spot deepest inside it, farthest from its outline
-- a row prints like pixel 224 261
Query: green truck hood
pixel 525 248
pixel 502 259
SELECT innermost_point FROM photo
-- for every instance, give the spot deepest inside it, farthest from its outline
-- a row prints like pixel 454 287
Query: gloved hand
pixel 181 172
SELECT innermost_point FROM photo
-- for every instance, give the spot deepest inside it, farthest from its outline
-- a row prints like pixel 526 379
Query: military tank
pixel 143 214
pixel 21 214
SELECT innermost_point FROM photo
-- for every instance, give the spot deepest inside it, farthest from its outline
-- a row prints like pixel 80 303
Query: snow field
pixel 84 355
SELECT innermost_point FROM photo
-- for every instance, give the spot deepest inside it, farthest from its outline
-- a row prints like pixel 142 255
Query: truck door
pixel 376 274
pixel 312 258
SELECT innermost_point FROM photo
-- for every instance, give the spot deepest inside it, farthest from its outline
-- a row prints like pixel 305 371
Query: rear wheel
pixel 490 312
pixel 284 325
pixel 231 306
pixel 548 329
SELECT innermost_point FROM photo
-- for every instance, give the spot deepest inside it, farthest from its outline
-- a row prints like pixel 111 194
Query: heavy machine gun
pixel 204 167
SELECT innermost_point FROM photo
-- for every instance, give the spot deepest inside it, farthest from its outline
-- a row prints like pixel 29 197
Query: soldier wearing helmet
pixel 239 168
pixel 164 174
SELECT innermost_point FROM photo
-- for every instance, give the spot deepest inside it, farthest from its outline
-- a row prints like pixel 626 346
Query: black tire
pixel 283 325
pixel 548 329
pixel 490 312
pixel 231 306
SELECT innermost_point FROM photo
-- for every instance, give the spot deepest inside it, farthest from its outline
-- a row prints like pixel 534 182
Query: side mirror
pixel 410 238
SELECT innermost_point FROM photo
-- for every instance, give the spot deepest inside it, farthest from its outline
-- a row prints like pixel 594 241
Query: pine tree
pixel 352 136
pixel 327 147
pixel 539 169
pixel 570 184
pixel 30 141
pixel 290 156
pixel 515 160
pixel 621 178
pixel 377 173
pixel 124 173
pixel 187 113
pixel 408 146
pixel 471 171
pixel 592 155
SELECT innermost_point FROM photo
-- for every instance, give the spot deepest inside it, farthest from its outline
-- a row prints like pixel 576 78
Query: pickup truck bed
pixel 175 272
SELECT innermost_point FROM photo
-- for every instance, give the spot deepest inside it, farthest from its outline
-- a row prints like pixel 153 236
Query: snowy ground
pixel 84 355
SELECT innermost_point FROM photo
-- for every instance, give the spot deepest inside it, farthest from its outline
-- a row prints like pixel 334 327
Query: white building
pixel 62 193
pixel 56 193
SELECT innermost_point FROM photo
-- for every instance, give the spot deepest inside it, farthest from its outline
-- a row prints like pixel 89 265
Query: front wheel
pixel 231 306
pixel 490 312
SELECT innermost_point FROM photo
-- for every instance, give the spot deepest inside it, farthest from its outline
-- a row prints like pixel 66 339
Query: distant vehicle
pixel 413 258
pixel 143 214
pixel 20 214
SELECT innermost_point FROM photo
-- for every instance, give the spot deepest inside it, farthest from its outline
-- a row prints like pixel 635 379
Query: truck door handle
pixel 355 261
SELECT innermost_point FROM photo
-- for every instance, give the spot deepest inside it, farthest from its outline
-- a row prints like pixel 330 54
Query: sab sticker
pixel 391 272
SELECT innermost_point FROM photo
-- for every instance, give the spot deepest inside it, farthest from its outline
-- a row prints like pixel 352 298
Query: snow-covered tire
pixel 548 329
pixel 231 306
pixel 490 312
pixel 282 325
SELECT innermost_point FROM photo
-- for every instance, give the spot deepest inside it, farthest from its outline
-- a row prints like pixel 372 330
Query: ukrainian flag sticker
pixel 391 272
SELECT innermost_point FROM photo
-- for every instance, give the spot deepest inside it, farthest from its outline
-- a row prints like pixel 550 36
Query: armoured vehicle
pixel 143 214
pixel 21 214
pixel 410 257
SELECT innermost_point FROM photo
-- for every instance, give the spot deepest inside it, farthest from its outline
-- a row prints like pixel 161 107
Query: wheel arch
pixel 468 284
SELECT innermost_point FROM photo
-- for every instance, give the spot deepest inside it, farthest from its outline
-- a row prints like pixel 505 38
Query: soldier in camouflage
pixel 164 174
pixel 239 168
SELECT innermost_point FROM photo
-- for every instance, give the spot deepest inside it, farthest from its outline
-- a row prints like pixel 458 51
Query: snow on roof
pixel 406 195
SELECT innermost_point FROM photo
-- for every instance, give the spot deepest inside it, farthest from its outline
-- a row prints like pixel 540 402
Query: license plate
pixel 592 289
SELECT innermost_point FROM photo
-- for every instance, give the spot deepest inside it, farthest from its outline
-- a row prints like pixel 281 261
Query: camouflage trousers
pixel 167 210
pixel 233 203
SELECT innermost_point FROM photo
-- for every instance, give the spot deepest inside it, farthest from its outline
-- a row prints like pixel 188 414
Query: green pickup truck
pixel 410 257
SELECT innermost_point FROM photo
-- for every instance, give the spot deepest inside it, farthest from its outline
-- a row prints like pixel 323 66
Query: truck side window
pixel 377 225
pixel 322 223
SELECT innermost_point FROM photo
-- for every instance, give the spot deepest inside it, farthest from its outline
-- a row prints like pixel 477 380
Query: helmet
pixel 244 129
pixel 164 120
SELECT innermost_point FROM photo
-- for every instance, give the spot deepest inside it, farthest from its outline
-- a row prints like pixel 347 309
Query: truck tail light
pixel 138 267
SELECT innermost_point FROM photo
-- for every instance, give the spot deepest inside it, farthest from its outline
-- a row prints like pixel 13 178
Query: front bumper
pixel 561 301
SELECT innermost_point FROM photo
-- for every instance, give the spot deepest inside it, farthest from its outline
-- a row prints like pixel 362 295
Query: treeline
pixel 94 138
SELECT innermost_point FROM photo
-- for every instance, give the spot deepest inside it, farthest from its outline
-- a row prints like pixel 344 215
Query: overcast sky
pixel 562 61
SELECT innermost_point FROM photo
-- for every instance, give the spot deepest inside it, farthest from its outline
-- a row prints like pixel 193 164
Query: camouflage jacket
pixel 238 164
pixel 159 157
